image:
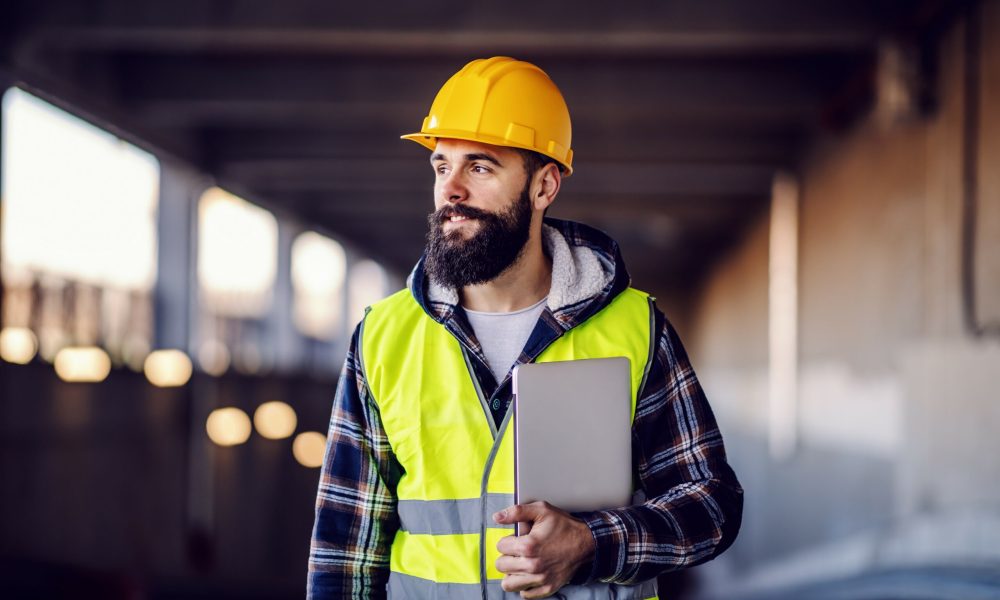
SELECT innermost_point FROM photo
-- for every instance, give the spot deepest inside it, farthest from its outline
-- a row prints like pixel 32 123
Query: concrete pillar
pixel 281 339
pixel 176 286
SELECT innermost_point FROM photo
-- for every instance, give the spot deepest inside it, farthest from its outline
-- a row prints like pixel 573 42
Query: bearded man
pixel 416 493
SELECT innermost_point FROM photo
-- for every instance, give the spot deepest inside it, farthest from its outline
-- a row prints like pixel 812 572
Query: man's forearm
pixel 682 529
pixel 323 585
pixel 694 502
pixel 356 517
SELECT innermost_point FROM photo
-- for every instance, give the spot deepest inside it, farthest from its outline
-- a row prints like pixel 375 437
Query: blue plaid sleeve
pixel 356 517
pixel 694 502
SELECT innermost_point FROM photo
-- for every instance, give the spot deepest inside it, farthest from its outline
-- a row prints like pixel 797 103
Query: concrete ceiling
pixel 682 111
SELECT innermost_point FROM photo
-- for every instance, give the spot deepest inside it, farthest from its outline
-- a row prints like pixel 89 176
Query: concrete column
pixel 176 285
pixel 177 326
pixel 5 82
pixel 281 340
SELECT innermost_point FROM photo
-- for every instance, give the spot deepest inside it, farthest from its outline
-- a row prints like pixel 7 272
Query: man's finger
pixel 513 545
pixel 518 564
pixel 542 591
pixel 517 582
pixel 508 545
pixel 520 513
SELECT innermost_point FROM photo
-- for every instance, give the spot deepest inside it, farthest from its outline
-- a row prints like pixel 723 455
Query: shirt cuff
pixel 607 530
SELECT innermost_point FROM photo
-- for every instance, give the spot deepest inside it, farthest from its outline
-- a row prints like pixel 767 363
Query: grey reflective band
pixel 403 586
pixel 407 586
pixel 443 517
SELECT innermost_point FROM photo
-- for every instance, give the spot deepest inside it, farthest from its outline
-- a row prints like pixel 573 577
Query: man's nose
pixel 452 189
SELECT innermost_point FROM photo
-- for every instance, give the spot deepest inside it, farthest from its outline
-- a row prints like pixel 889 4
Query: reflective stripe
pixel 449 516
pixel 408 586
pixel 402 586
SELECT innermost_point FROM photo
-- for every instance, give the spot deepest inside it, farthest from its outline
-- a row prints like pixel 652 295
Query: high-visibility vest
pixel 458 469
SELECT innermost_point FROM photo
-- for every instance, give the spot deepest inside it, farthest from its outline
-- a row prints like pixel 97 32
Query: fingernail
pixel 499 515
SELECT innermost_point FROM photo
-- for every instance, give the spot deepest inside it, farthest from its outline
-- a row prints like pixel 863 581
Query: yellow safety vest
pixel 457 468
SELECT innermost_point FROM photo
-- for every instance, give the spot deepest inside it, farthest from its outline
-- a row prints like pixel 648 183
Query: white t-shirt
pixel 503 335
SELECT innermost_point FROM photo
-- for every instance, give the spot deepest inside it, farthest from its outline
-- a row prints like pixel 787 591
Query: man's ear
pixel 545 186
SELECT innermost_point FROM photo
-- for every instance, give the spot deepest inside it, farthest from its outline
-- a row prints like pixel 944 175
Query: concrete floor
pixel 931 583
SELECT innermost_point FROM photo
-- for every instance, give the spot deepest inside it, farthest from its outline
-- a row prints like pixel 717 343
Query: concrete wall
pixel 899 399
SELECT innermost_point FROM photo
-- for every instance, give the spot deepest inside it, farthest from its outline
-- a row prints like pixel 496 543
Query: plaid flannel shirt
pixel 693 503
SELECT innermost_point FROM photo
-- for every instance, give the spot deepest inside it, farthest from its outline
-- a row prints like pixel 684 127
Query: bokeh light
pixel 309 448
pixel 18 345
pixel 228 426
pixel 167 368
pixel 275 420
pixel 82 364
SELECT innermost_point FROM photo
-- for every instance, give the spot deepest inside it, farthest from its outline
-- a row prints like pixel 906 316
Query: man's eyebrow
pixel 469 157
pixel 482 156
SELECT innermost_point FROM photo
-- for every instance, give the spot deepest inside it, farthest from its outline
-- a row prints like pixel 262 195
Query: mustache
pixel 459 210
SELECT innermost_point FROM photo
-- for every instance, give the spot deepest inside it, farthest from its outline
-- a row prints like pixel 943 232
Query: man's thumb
pixel 519 513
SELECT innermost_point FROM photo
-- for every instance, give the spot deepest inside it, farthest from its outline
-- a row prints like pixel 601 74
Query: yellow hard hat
pixel 504 102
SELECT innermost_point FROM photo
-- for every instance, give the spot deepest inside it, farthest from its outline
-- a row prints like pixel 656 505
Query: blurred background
pixel 200 197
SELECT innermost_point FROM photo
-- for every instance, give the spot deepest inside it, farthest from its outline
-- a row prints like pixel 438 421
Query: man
pixel 416 490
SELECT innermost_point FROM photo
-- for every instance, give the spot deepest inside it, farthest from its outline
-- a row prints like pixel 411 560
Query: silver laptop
pixel 572 433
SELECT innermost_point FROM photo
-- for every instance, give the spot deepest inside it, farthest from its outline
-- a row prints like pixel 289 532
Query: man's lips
pixel 459 213
pixel 455 218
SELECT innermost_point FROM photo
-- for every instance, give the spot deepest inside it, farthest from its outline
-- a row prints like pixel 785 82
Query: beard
pixel 455 262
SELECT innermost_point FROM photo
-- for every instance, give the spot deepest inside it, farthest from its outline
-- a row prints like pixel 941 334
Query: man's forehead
pixel 451 150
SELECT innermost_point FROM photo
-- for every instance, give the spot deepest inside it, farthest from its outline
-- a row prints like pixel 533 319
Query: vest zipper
pixel 483 493
pixel 479 392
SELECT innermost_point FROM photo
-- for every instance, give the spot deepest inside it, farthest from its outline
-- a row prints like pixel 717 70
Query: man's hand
pixel 544 560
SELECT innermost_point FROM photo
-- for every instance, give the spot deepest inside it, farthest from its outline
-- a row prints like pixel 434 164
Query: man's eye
pixel 480 169
pixel 441 169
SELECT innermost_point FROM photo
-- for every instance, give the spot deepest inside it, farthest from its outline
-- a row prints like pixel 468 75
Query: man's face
pixel 482 216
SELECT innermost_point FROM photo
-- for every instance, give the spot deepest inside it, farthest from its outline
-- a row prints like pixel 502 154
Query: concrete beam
pixel 459 29
pixel 397 210
pixel 621 178
pixel 105 114
pixel 598 85
pixel 451 43
pixel 758 145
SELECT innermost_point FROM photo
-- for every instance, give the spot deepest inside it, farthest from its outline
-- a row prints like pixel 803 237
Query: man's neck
pixel 520 286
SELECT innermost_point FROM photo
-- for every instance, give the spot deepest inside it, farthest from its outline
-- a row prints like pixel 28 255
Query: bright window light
pixel 783 318
pixel 237 255
pixel 79 203
pixel 366 285
pixel 318 270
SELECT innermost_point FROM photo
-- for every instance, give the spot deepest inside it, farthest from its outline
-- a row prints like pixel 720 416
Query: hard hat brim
pixel 429 141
